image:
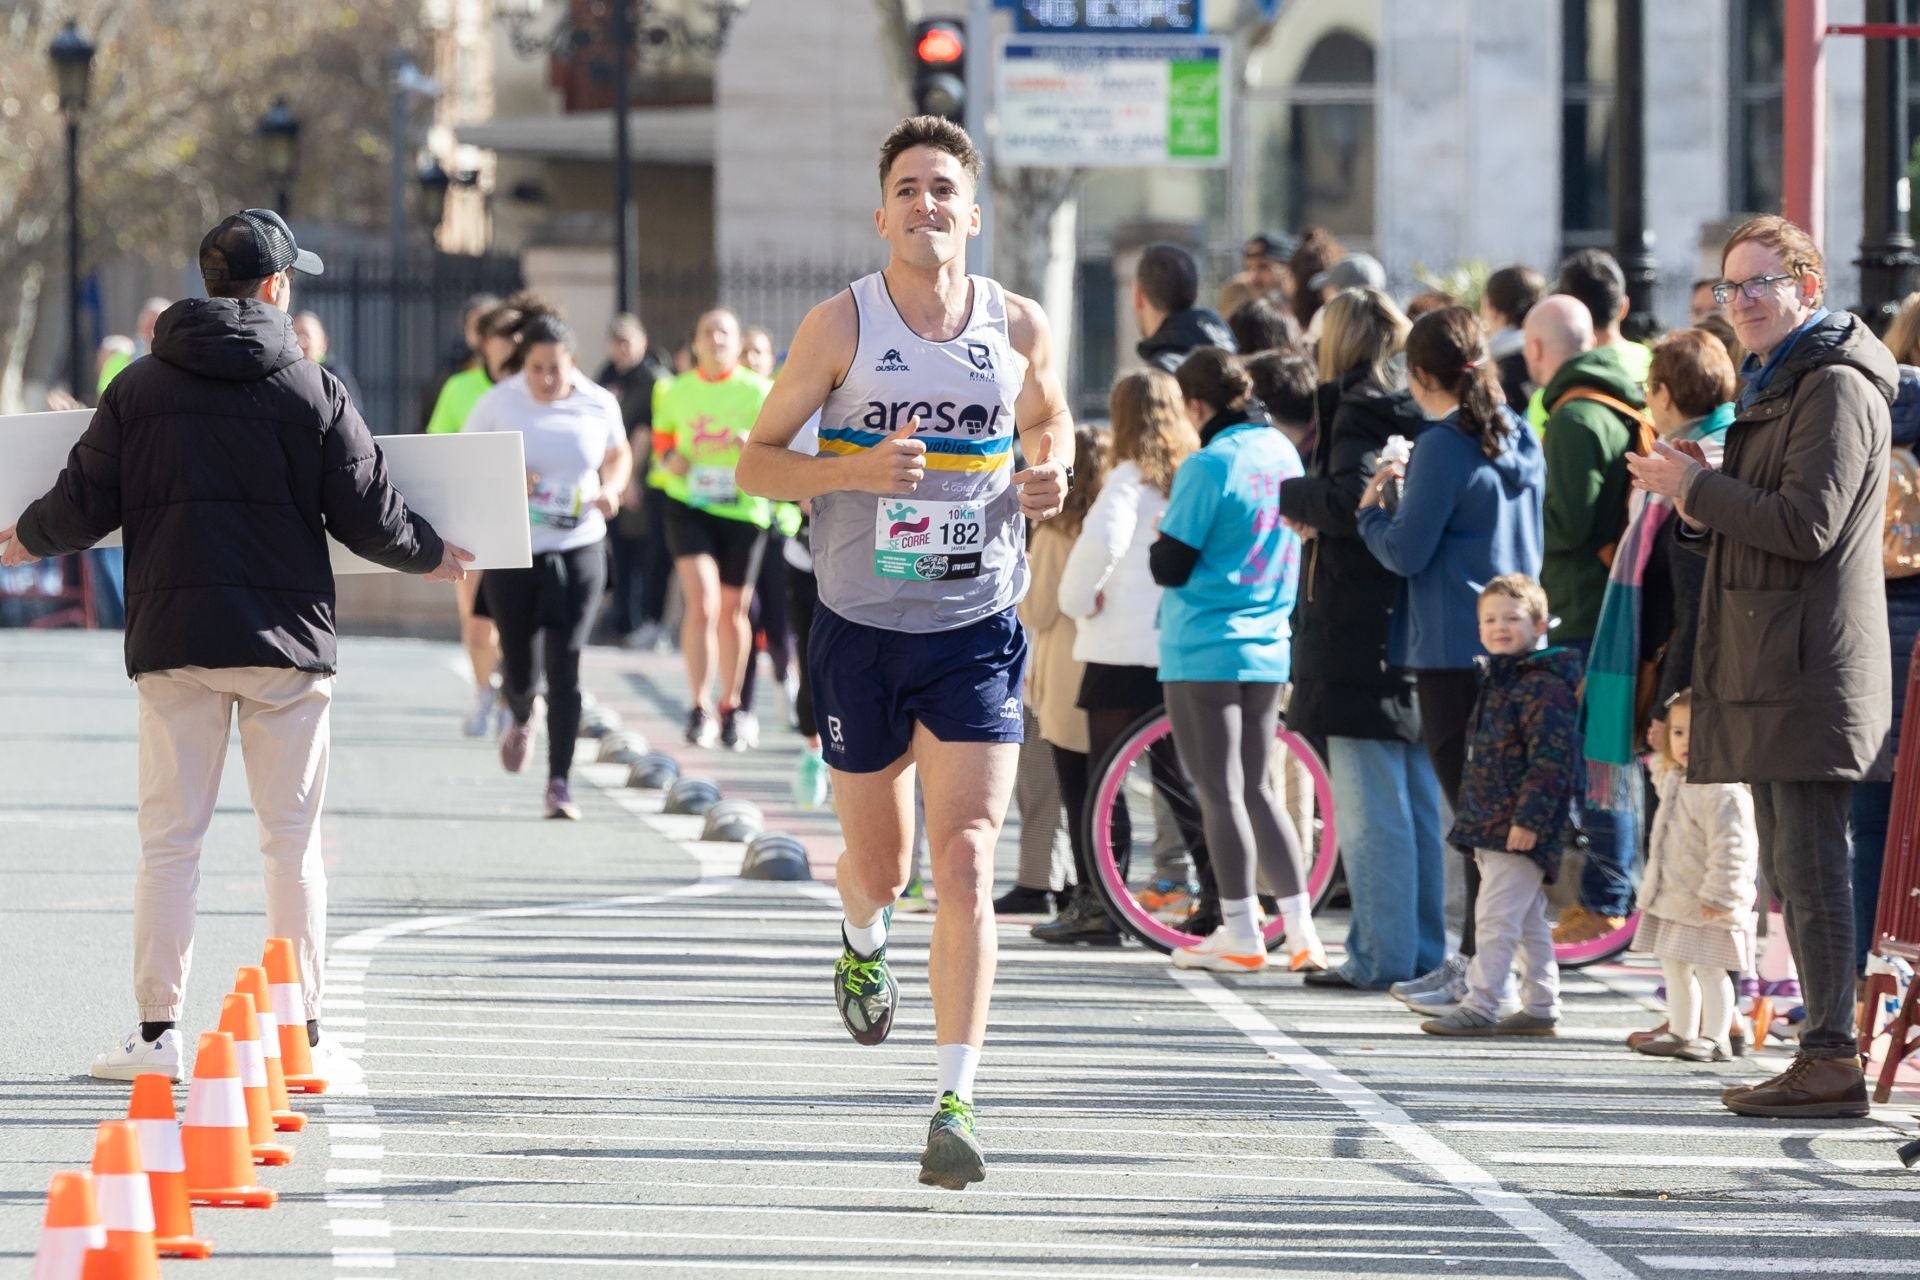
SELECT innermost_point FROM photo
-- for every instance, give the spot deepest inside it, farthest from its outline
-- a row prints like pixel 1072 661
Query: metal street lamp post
pixel 434 182
pixel 632 25
pixel 72 57
pixel 1887 262
pixel 1633 239
pixel 280 148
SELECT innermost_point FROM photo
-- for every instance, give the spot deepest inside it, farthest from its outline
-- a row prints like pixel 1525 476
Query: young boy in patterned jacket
pixel 1523 763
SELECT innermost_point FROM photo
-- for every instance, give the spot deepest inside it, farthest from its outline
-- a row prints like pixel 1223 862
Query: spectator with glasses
pixel 1792 673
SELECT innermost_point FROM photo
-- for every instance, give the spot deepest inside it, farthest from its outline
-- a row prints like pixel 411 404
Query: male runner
pixel 716 533
pixel 922 373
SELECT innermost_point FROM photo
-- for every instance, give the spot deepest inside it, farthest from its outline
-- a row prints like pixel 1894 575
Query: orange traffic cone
pixel 214 1137
pixel 290 1011
pixel 237 1020
pixel 70 1231
pixel 126 1207
pixel 166 1165
pixel 252 979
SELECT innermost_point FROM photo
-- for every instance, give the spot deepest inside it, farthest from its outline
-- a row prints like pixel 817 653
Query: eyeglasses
pixel 1755 288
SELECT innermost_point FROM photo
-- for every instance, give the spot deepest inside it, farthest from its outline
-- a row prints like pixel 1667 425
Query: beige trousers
pixel 185 717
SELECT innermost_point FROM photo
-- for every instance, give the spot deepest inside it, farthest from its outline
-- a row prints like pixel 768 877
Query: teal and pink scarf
pixel 1613 666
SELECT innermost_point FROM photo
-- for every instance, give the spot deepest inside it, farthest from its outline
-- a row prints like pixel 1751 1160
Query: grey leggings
pixel 1224 731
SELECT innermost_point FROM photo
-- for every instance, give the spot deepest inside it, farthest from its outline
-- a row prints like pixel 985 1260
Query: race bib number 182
pixel 928 541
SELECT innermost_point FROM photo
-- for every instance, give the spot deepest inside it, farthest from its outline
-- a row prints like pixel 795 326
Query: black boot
pixel 1083 919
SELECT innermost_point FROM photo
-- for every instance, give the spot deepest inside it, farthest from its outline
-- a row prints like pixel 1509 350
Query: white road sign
pixel 1095 102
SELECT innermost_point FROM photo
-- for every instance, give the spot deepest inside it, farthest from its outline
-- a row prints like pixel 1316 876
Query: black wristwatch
pixel 1069 477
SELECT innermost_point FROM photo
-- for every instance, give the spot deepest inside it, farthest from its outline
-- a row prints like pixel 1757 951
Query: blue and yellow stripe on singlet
pixel 943 453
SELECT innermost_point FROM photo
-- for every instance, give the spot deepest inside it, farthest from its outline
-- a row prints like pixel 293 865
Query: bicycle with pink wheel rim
pixel 1142 768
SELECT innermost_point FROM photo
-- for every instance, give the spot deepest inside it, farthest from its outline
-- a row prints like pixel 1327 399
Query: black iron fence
pixel 398 332
pixel 773 294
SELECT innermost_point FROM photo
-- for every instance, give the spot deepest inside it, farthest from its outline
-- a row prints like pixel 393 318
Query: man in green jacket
pixel 1585 443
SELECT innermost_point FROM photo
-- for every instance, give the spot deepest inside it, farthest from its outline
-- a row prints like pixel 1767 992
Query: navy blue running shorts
pixel 870 686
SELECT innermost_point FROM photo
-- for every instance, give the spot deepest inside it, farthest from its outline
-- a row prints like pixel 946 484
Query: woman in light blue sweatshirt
pixel 1469 511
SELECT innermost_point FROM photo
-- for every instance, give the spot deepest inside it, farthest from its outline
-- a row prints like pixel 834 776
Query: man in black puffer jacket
pixel 228 458
pixel 1165 286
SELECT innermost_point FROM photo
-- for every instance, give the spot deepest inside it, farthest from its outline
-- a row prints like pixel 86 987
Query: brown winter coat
pixel 1791 669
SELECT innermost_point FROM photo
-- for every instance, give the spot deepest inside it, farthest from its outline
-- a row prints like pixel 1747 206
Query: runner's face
pixel 549 370
pixel 716 343
pixel 759 355
pixel 928 211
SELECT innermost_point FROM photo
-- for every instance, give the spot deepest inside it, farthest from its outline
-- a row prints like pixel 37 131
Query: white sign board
pixel 472 489
pixel 1092 102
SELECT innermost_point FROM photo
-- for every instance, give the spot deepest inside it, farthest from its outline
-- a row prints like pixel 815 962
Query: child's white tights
pixel 1699 1001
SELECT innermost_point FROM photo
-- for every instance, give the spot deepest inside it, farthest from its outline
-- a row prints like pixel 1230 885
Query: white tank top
pixel 952 552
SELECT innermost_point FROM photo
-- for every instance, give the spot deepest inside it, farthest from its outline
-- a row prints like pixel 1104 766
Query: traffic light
pixel 940 69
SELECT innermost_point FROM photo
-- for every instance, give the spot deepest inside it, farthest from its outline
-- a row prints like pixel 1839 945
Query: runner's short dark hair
pixel 1594 277
pixel 937 132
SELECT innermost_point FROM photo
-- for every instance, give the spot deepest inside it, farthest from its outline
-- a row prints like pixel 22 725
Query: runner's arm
pixel 1040 413
pixel 818 361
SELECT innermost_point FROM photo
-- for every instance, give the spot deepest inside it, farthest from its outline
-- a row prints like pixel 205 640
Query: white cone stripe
pixel 253 1064
pixel 217 1104
pixel 160 1150
pixel 63 1251
pixel 268 1029
pixel 287 1003
pixel 126 1203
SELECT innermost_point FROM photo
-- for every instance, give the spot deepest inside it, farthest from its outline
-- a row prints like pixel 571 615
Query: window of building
pixel 1586 121
pixel 1758 93
pixel 1313 142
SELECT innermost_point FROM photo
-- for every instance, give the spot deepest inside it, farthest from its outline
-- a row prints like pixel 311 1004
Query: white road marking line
pixel 1128 1219
pixel 1735 1127
pixel 363 1228
pixel 356 1151
pixel 895 1164
pixel 1794 1266
pixel 1264 1248
pixel 788 1267
pixel 355 1258
pixel 1598 1159
pixel 1580 1256
pixel 812 1143
pixel 1744 1224
pixel 337 1131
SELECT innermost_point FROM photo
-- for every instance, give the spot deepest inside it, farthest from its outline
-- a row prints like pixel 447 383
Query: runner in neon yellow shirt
pixel 717 533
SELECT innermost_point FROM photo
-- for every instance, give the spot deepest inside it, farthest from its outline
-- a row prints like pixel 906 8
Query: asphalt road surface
pixel 589 1049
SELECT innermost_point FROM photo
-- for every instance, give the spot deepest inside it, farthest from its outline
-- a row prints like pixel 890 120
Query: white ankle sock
pixel 1236 915
pixel 867 941
pixel 1296 913
pixel 958 1062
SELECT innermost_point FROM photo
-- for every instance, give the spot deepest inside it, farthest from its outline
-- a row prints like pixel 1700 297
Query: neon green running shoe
pixel 864 990
pixel 913 898
pixel 953 1157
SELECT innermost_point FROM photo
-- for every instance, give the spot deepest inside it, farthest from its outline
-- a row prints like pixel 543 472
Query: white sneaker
pixel 479 721
pixel 1452 967
pixel 1221 952
pixel 331 1063
pixel 136 1057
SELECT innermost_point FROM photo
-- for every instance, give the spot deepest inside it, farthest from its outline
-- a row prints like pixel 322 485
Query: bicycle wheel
pixel 1578 955
pixel 1140 800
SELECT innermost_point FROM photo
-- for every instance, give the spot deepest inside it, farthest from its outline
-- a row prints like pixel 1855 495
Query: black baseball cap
pixel 251 245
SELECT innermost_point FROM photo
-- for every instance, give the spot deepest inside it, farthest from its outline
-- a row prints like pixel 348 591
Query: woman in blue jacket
pixel 1469 510
pixel 1231 571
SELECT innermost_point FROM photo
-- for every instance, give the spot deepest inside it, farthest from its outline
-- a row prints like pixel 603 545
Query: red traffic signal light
pixel 940 69
pixel 940 44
